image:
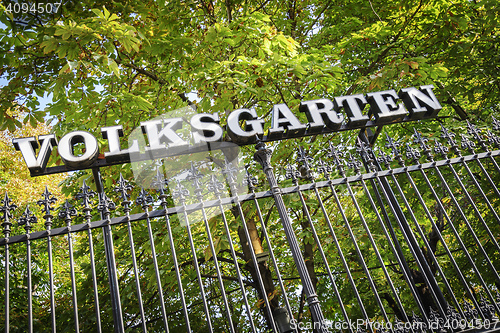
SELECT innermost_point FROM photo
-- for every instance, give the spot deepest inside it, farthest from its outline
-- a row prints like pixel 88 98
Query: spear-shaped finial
pixel 6 210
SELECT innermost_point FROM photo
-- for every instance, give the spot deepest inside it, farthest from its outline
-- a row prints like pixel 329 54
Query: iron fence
pixel 406 246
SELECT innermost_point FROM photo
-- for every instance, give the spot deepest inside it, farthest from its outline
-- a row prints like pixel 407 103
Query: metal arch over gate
pixel 411 246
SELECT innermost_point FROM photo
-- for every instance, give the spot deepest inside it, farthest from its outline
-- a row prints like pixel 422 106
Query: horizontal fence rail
pixel 400 238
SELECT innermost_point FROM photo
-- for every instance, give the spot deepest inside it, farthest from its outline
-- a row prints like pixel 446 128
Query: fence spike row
pixel 467 144
pixel 496 124
pixel 6 209
pixel 123 188
pixel 215 186
pixel 365 151
pixel 66 212
pixel 46 204
pixel 336 154
pixel 412 154
pixel 493 139
pixel 422 142
pixel 385 159
pixel 440 149
pixel 354 163
pixel 303 159
pixel 27 219
pixel 250 181
pixel 475 132
pixel 324 168
pixel 105 204
pixel 292 173
pixel 144 199
pixel 449 137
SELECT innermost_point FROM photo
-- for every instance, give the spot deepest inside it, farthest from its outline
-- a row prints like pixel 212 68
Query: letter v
pixel 27 147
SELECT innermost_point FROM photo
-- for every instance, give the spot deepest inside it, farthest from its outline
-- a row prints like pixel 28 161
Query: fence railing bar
pixel 426 243
pixel 229 172
pixel 291 173
pixel 474 207
pixel 251 182
pixel 384 268
pixel 455 232
pixel 180 193
pixel 160 183
pixel 122 188
pixel 86 195
pixel 30 291
pixel 216 186
pixel 341 254
pixel 144 200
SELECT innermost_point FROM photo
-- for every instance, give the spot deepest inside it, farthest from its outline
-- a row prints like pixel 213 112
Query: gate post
pixel 263 156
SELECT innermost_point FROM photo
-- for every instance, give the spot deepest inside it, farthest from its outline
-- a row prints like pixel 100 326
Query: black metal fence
pixel 407 246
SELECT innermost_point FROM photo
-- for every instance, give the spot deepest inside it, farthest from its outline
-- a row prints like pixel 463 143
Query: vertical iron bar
pixel 123 188
pixel 229 171
pixel 66 213
pixel 263 155
pixel 215 186
pixel 110 260
pixel 145 202
pixel 26 220
pixel 291 173
pixel 48 200
pixel 251 186
pixel 407 232
pixel 6 208
pixel 180 193
pixel 85 195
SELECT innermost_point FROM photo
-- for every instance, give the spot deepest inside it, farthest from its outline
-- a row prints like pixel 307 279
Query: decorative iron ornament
pixel 449 136
pixel 6 209
pixel 324 168
pixel 467 144
pixel 422 142
pixel 215 186
pixel 336 154
pixel 46 203
pixel 440 149
pixel 249 180
pixel 366 153
pixel 230 172
pixel 292 173
pixel 452 314
pixel 475 132
pixel 105 204
pixel 195 177
pixel 123 188
pixel 85 195
pixel 384 159
pixel 435 317
pixel 354 163
pixel 393 145
pixel 303 160
pixel 66 212
pixel 144 199
pixel 27 219
pixel 263 155
pixel 412 154
pixel 486 308
pixel 469 310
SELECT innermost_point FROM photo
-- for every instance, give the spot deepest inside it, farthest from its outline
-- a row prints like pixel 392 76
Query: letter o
pixel 66 151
